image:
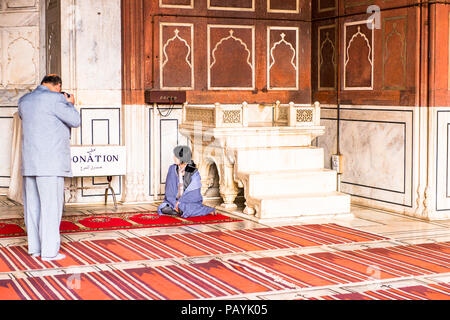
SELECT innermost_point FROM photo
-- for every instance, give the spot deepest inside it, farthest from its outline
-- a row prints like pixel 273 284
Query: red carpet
pixel 91 252
pixel 221 279
pixel 112 221
pixel 438 291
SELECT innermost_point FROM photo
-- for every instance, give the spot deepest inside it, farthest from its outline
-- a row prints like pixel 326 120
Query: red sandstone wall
pixel 170 45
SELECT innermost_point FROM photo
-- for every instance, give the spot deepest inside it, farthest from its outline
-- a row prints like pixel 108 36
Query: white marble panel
pixel 97 71
pixel 169 138
pixel 442 159
pixel 21 4
pixel 99 126
pixel 377 145
pixel 6 130
pixel 19 19
pixel 328 141
pixel 374 154
pixel 19 60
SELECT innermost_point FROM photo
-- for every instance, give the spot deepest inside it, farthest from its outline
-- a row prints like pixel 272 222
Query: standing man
pixel 47 118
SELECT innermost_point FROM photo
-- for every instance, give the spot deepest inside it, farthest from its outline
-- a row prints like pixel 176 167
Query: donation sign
pixel 98 161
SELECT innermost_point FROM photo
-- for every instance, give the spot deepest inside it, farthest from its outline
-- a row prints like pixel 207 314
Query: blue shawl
pixel 191 202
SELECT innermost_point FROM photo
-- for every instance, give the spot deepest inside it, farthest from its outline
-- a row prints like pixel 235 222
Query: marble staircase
pixel 288 182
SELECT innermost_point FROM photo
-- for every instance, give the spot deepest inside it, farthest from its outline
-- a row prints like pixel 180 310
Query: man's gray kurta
pixel 47 118
pixel 46 121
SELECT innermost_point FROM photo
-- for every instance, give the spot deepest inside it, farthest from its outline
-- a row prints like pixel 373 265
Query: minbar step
pixel 266 159
pixel 289 183
pixel 303 205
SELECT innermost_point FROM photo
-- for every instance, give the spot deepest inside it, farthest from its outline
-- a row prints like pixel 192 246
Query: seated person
pixel 183 185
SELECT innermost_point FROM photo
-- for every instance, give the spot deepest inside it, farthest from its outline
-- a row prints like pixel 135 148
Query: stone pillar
pixel 91 68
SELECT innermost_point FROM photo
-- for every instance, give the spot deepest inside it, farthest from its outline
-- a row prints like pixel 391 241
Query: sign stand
pixel 97 161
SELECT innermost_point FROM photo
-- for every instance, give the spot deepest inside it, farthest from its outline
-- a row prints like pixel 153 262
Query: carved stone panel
pixel 189 4
pixel 327 57
pixel 283 6
pixel 326 5
pixel 394 53
pixel 231 58
pixel 234 5
pixel 19 64
pixel 177 56
pixel 282 58
pixel 358 56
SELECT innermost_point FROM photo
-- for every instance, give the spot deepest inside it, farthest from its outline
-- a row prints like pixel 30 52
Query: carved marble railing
pixel 235 115
pixel 217 115
pixel 293 115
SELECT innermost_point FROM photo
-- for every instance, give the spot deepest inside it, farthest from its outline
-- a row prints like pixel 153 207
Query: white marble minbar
pixel 281 173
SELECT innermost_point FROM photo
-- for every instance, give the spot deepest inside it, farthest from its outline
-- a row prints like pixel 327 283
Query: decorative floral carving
pixel 232 116
pixel 304 115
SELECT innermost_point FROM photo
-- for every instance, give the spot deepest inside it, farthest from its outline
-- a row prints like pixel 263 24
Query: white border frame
pixel 178 6
pixel 296 11
pixel 269 56
pixel 223 26
pixel 161 55
pixel 252 9
pixel 319 54
pixel 361 22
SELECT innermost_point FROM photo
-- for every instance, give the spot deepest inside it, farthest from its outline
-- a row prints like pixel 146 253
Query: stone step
pixel 270 159
pixel 304 205
pixel 289 182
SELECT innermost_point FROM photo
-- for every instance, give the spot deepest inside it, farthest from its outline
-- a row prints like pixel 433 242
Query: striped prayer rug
pixel 157 247
pixel 174 282
pixel 212 279
pixel 439 291
pixel 343 267
pixel 112 221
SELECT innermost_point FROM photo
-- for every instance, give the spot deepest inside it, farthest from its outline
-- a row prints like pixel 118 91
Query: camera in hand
pixel 65 93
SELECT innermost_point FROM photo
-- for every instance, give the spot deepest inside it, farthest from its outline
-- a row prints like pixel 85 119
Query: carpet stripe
pixel 421 255
pixel 113 285
pixel 421 265
pixel 257 276
pixel 348 275
pixel 106 254
pixel 181 279
pixel 418 292
pixel 296 281
pixel 389 266
pixel 266 243
pixel 215 284
pixel 262 273
pixel 282 242
pixel 63 290
pixel 298 232
pixel 136 285
pixel 316 233
pixel 205 248
pixel 430 253
pixel 333 278
pixel 212 244
pixel 346 232
pixel 224 244
pixel 141 247
pixel 91 277
pixel 25 291
pixel 162 247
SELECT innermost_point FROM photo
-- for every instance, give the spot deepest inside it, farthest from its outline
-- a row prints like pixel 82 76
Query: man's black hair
pixel 52 78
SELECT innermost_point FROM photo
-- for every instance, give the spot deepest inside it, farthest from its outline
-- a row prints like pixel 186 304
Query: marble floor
pixel 400 230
